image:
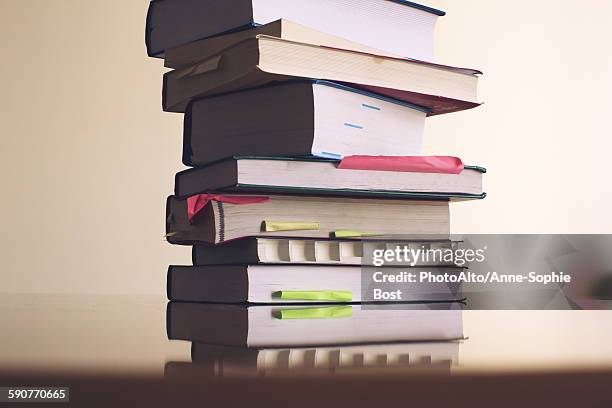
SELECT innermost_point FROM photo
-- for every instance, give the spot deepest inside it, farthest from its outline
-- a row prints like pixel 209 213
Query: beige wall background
pixel 88 157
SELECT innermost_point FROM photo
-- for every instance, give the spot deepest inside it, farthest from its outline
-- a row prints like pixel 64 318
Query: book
pixel 297 284
pixel 308 251
pixel 258 326
pixel 299 119
pixel 264 60
pixel 188 54
pixel 397 26
pixel 320 176
pixel 395 358
pixel 303 216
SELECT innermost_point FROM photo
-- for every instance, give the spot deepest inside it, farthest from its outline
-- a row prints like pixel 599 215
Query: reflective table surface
pixel 116 349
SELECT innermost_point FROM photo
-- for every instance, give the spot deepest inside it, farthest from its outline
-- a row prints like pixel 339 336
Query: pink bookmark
pixel 408 164
pixel 196 203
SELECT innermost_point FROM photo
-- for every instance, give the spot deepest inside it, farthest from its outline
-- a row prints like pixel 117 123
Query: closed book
pixel 313 251
pixel 303 216
pixel 188 54
pixel 300 119
pixel 320 176
pixel 260 326
pixel 264 60
pixel 399 27
pixel 286 284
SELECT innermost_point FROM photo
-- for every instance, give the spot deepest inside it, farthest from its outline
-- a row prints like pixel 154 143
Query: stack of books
pixel 303 131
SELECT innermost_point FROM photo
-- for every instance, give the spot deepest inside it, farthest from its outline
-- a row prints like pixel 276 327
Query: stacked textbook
pixel 303 133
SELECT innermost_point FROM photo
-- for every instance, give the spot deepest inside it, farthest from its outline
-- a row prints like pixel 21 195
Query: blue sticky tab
pixel 353 126
pixel 365 105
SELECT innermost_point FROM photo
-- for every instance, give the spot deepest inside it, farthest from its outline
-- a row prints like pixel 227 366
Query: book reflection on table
pixel 396 358
pixel 274 326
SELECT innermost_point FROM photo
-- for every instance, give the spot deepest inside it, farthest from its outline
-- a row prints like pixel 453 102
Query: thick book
pixel 303 216
pixel 395 358
pixel 263 284
pixel 188 54
pixel 264 60
pixel 255 250
pixel 320 176
pixel 261 327
pixel 395 26
pixel 299 119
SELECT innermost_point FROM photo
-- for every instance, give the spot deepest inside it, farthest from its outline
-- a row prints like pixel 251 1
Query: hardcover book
pixel 398 27
pixel 265 327
pixel 255 250
pixel 320 176
pixel 188 54
pixel 220 220
pixel 295 284
pixel 264 60
pixel 299 119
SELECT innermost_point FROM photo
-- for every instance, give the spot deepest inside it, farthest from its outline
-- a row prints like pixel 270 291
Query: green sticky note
pixel 352 234
pixel 317 295
pixel 330 312
pixel 274 226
